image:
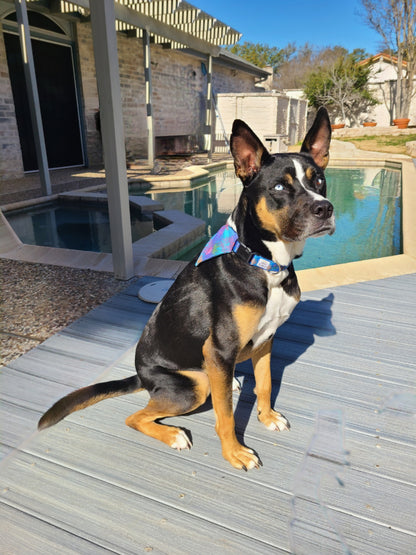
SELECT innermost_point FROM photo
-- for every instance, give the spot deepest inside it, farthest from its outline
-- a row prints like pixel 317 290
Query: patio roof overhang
pixel 173 23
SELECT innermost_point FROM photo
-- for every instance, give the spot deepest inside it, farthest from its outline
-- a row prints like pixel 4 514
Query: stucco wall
pixel 382 84
pixel 382 112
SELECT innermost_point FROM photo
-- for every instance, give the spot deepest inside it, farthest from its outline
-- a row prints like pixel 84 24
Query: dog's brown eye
pixel 319 182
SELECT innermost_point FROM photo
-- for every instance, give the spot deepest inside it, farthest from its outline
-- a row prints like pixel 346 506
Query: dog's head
pixel 286 192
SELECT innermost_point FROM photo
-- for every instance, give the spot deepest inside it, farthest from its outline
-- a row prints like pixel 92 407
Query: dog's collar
pixel 226 241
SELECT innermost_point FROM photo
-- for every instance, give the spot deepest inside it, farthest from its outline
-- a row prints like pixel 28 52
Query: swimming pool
pixel 73 225
pixel 367 204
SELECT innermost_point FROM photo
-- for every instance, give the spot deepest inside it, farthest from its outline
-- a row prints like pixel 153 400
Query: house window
pixel 38 20
pixel 53 54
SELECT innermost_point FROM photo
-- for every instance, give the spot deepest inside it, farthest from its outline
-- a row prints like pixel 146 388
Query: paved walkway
pixel 67 179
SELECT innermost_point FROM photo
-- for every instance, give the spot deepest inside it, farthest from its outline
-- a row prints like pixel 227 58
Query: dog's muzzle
pixel 323 211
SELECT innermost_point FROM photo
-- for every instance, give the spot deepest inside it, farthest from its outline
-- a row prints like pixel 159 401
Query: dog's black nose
pixel 322 209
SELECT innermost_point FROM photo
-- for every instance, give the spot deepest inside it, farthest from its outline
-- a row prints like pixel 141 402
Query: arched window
pixel 38 20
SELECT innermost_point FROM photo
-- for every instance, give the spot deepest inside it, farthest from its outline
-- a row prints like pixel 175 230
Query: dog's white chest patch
pixel 278 309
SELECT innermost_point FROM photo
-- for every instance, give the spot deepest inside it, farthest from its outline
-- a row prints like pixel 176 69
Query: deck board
pixel 26 533
pixel 90 484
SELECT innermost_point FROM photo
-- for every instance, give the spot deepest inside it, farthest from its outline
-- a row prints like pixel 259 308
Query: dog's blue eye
pixel 279 187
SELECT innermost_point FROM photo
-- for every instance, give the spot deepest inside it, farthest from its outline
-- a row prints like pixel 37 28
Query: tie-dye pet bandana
pixel 220 243
pixel 226 241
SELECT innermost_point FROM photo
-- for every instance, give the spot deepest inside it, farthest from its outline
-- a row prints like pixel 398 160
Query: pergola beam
pixel 133 17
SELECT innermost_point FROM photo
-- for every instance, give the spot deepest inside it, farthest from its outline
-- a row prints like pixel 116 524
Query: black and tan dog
pixel 226 307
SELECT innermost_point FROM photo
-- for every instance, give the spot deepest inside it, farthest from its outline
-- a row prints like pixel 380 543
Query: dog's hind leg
pixel 181 393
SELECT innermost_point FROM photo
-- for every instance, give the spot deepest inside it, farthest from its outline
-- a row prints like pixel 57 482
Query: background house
pixel 382 83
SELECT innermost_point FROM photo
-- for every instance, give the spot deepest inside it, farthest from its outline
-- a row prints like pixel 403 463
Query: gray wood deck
pixel 92 485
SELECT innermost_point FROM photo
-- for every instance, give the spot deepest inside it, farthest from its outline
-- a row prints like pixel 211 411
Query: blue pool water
pixel 82 226
pixel 367 204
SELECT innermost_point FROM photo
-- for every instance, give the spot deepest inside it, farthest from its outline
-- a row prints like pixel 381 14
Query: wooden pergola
pixel 173 23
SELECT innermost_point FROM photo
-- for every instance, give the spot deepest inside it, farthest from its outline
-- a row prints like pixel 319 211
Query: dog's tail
pixel 87 396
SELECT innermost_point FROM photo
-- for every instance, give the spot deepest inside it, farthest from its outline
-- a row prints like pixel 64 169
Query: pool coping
pixel 182 179
pixel 150 252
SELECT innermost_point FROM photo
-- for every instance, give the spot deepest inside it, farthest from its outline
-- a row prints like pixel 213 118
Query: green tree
pixel 342 87
pixel 263 55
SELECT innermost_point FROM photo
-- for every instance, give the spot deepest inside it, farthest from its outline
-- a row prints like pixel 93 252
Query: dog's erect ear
pixel 317 140
pixel 248 151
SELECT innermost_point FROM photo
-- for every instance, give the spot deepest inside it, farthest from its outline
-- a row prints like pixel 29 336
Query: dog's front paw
pixel 180 440
pixel 274 420
pixel 242 457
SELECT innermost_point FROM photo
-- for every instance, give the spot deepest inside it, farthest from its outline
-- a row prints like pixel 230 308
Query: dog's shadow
pixel 310 318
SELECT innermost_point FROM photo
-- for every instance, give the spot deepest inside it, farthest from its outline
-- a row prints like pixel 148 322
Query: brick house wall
pixel 89 93
pixel 227 80
pixel 180 88
pixel 179 92
pixel 11 163
pixel 179 97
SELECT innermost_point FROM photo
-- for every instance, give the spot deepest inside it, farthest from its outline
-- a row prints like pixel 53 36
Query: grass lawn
pixel 382 143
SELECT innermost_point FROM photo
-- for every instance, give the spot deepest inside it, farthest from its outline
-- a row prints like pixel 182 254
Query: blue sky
pixel 278 22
